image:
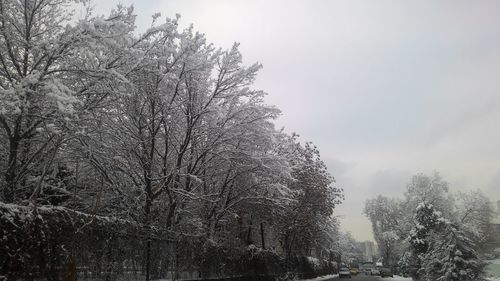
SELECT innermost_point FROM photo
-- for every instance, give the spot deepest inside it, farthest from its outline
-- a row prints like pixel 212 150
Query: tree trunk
pixel 262 235
pixel 10 175
pixel 147 211
pixel 249 234
pixel 70 273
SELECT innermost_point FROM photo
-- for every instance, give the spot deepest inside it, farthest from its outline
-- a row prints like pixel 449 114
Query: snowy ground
pixel 322 278
pixel 362 277
pixel 399 278
pixel 493 270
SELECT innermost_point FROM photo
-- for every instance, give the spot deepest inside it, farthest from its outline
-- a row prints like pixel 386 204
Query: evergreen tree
pixel 452 257
pixel 426 219
pixel 441 249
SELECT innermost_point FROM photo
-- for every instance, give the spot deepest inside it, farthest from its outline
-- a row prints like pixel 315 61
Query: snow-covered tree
pixel 451 256
pixel 475 214
pixel 388 225
pixel 426 219
pixel 52 76
pixel 430 190
pixel 443 251
pixel 348 247
pixel 307 217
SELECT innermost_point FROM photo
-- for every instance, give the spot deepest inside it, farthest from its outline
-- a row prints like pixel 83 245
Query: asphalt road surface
pixel 362 277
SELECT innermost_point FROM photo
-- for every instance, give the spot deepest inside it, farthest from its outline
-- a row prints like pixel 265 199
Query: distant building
pixel 496 219
pixel 369 250
pixel 498 208
pixel 495 236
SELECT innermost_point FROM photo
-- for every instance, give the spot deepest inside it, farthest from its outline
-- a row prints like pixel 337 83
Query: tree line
pixel 159 133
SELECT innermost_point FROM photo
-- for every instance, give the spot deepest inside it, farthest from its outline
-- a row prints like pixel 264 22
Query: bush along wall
pixel 254 263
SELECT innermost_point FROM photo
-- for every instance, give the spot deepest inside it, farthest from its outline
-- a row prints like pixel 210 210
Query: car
pixel 386 272
pixel 368 271
pixel 375 271
pixel 354 271
pixel 344 272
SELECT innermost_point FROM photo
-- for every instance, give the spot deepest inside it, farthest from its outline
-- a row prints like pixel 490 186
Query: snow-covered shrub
pixel 314 262
pixel 217 260
pixel 311 267
pixel 260 262
pixel 213 259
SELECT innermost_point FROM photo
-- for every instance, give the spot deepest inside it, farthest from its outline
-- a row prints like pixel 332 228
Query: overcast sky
pixel 386 89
